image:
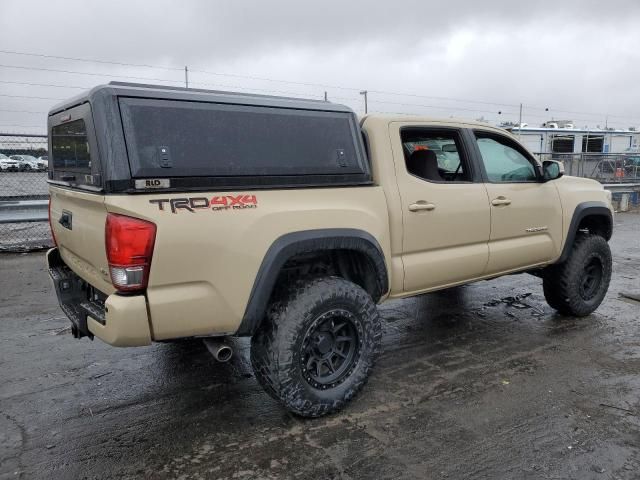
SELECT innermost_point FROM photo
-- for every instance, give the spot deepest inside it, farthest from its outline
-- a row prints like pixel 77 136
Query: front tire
pixel 316 347
pixel 577 286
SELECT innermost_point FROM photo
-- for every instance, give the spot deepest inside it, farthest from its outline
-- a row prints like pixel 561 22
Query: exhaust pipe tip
pixel 224 354
pixel 220 350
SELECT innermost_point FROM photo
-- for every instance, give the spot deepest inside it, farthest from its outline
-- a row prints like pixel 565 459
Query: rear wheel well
pixel 352 254
pixel 352 265
pixel 596 225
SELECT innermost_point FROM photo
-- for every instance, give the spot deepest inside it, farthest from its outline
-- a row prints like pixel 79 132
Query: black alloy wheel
pixel 331 348
pixel 592 278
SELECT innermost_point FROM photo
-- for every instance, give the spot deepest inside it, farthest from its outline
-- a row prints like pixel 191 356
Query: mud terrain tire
pixel 578 285
pixel 317 345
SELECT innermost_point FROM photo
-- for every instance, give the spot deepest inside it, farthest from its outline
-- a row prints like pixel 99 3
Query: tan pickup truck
pixel 188 213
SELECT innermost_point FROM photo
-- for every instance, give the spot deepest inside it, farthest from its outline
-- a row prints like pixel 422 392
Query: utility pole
pixel 364 93
pixel 520 122
pixel 186 77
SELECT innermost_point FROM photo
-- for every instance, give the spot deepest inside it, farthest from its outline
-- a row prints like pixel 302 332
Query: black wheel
pixel 316 347
pixel 578 285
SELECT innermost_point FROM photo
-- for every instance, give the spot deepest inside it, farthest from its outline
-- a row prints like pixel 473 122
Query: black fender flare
pixel 583 210
pixel 308 241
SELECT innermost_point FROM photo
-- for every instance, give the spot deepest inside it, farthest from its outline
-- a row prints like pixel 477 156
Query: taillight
pixel 53 235
pixel 129 242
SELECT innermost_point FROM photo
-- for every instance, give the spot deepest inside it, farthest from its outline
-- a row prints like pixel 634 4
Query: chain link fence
pixel 604 167
pixel 24 193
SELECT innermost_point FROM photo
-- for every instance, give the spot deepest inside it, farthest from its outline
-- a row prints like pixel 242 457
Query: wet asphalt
pixel 481 381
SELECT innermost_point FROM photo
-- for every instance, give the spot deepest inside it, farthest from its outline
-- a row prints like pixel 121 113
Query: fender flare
pixel 582 210
pixel 308 241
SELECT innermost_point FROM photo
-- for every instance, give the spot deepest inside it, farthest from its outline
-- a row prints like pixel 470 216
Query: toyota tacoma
pixel 180 213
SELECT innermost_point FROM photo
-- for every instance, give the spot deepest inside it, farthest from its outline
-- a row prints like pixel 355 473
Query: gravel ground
pixel 469 385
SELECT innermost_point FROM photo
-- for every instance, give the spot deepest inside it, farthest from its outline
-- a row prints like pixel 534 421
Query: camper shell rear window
pixel 70 147
pixel 172 138
pixel 73 152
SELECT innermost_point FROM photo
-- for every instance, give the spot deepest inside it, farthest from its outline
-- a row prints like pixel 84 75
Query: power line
pixel 599 115
pixel 383 92
pixel 139 78
pixel 42 84
pixel 77 59
pixel 22 111
pixel 440 107
pixel 89 73
pixel 449 107
pixel 251 77
pixel 29 96
pixel 206 72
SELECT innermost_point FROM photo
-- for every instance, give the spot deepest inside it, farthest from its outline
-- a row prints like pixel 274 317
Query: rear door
pixel 77 206
pixel 445 210
pixel 526 214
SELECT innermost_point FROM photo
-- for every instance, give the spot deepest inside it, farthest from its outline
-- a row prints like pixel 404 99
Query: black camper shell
pixel 190 139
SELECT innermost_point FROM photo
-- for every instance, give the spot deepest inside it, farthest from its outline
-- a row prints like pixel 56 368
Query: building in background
pixel 561 137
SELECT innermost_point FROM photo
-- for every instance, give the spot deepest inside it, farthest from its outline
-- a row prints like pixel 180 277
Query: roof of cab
pixel 164 92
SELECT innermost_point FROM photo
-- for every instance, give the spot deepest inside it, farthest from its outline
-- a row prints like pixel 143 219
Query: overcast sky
pixel 432 58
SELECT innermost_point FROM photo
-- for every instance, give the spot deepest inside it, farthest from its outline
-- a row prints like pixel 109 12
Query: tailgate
pixel 78 223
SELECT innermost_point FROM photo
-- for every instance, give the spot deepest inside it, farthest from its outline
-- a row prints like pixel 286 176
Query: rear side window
pixel 434 155
pixel 167 138
pixel 70 147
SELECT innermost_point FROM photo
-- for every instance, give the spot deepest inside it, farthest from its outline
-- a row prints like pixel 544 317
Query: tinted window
pixel 70 147
pixel 503 162
pixel 178 138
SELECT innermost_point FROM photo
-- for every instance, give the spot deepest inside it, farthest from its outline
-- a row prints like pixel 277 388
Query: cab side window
pixel 435 156
pixel 503 160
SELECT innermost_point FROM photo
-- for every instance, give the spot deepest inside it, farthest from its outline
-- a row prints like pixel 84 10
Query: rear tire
pixel 578 285
pixel 316 347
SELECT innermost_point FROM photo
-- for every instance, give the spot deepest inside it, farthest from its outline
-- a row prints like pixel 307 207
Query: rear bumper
pixel 121 321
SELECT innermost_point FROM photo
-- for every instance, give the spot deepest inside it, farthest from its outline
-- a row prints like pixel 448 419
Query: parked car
pixel 203 216
pixel 7 164
pixel 28 162
pixel 44 161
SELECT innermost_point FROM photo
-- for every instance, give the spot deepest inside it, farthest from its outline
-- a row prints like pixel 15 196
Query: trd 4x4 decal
pixel 191 204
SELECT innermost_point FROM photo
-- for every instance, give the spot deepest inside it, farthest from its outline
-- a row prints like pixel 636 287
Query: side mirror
pixel 552 170
pixel 450 148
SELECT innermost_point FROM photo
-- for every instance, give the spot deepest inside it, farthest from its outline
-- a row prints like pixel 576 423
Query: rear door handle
pixel 66 220
pixel 421 205
pixel 500 201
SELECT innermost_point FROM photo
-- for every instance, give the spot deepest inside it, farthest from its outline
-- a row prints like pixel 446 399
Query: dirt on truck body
pixel 189 213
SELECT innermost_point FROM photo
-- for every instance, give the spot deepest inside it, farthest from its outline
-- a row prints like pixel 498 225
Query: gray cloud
pixel 578 56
